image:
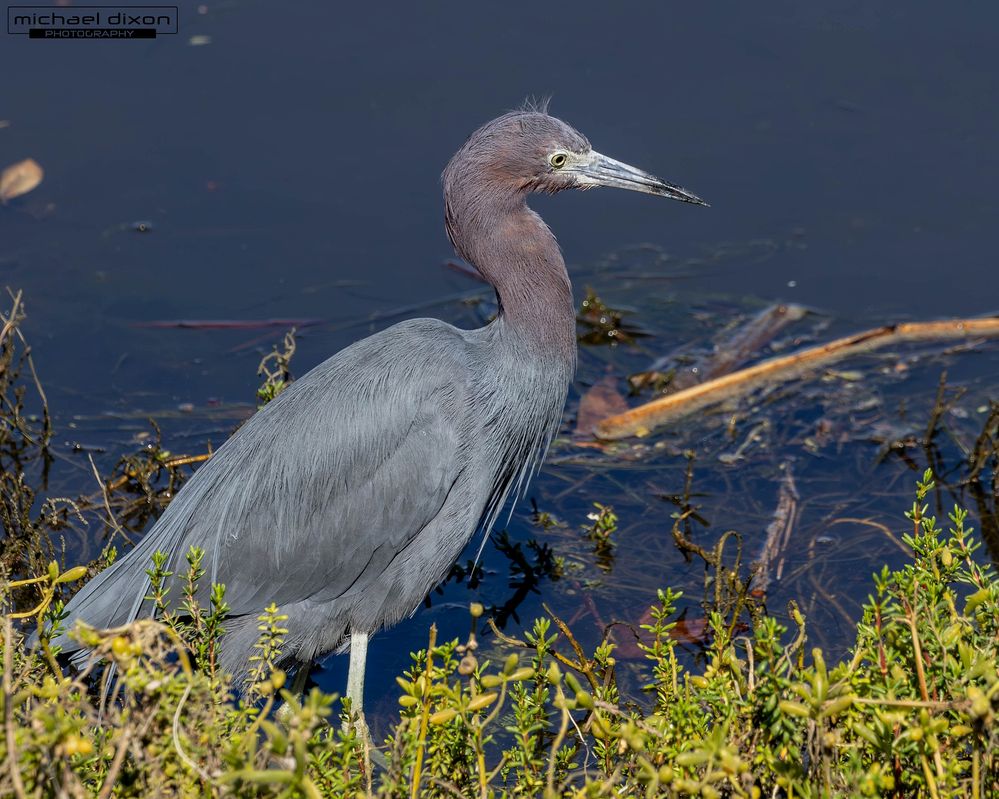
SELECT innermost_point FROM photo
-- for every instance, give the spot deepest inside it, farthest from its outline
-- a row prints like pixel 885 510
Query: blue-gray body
pixel 348 497
pixel 346 500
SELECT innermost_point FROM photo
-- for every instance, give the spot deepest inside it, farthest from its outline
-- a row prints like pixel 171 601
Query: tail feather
pixel 117 595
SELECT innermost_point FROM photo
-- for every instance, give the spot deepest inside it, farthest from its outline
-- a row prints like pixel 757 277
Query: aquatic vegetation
pixel 910 711
pixel 600 532
pixel 25 436
pixel 600 324
pixel 275 368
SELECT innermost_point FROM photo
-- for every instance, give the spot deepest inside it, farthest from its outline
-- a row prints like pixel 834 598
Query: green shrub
pixel 912 712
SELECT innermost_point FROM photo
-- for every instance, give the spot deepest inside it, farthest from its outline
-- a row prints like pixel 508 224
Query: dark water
pixel 289 168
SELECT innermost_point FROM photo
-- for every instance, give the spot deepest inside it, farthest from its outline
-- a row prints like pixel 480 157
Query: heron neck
pixel 516 252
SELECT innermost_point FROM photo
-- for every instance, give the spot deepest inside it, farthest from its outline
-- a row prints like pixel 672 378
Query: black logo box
pixel 173 12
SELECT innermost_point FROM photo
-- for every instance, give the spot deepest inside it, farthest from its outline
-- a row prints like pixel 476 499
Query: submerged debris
pixel 735 349
pixel 770 563
pixel 227 324
pixel 642 420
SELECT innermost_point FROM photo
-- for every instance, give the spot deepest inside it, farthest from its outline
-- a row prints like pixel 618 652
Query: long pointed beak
pixel 600 170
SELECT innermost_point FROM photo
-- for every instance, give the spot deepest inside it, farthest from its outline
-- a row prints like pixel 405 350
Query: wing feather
pixel 324 485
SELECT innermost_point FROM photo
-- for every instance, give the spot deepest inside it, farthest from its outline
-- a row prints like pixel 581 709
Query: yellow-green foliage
pixel 912 711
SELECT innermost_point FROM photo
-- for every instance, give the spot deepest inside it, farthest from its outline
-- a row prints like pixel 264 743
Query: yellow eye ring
pixel 558 160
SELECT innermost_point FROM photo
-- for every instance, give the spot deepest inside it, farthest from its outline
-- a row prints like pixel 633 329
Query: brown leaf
pixel 20 178
pixel 600 401
pixel 686 631
pixel 691 631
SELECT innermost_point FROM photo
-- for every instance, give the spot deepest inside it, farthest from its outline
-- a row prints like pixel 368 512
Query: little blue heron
pixel 347 498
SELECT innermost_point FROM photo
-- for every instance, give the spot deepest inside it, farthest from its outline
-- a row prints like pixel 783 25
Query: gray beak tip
pixel 695 200
pixel 678 193
pixel 601 170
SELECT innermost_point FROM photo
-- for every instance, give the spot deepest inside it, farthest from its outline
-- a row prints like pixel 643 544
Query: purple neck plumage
pixel 515 251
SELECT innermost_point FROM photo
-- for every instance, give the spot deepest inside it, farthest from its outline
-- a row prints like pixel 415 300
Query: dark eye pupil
pixel 558 160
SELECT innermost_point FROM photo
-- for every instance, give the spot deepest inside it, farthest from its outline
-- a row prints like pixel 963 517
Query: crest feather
pixel 536 104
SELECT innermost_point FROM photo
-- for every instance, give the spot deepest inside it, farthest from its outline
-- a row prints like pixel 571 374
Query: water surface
pixel 289 169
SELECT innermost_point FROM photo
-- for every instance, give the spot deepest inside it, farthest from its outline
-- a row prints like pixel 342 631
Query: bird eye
pixel 558 160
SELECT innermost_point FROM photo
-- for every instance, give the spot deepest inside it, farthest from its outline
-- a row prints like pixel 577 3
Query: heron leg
pixel 355 677
pixel 355 671
pixel 283 712
pixel 301 678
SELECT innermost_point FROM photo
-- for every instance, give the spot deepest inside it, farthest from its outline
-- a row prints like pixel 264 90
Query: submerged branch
pixel 738 347
pixel 769 565
pixel 645 418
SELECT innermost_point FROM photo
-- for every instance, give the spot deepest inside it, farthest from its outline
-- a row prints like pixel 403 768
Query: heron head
pixel 532 151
